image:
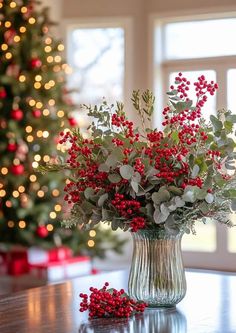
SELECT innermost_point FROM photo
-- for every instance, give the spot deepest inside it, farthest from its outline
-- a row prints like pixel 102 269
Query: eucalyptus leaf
pixel 102 199
pixel 134 185
pixel 114 178
pixel 126 171
pixel 88 192
pixel 103 167
pixel 209 198
pixel 195 171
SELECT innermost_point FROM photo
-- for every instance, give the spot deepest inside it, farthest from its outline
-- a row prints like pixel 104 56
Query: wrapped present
pixel 37 255
pixel 14 261
pixel 3 262
pixel 61 270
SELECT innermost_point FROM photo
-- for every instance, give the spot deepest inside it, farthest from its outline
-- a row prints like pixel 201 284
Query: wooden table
pixel 209 306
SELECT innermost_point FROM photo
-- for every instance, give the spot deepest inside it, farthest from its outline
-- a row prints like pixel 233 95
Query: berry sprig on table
pixel 106 303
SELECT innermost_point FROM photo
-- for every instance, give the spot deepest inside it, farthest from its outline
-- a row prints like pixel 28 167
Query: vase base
pixel 161 306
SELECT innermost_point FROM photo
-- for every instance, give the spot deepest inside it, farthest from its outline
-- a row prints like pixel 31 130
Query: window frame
pixel 220 259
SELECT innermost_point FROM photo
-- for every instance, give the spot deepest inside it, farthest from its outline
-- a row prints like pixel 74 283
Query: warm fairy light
pixel 1 185
pixel 33 178
pixel 15 194
pixel 39 134
pixel 49 227
pixel 22 29
pixel 22 224
pixel 10 224
pixel 46 112
pixel 35 165
pixel 4 171
pixel 16 161
pixel 67 68
pixel 7 24
pixel 12 4
pixel 32 102
pixel 57 208
pixel 49 59
pixel 45 134
pixel 47 86
pixel 40 194
pixel 28 129
pixel 31 20
pixel 53 215
pixel 4 47
pixel 39 105
pixel 60 47
pixel 38 78
pixel 47 48
pixel 46 158
pixel 37 85
pixel 55 192
pixel 8 55
pixel 48 40
pixel 24 10
pixel 8 204
pixel 91 243
pixel 2 193
pixel 22 78
pixel 67 181
pixel 37 158
pixel 1 7
pixel 30 138
pixel 57 58
pixel 60 114
pixel 92 233
pixel 56 68
pixel 16 38
pixel 52 83
pixel 51 102
pixel 21 189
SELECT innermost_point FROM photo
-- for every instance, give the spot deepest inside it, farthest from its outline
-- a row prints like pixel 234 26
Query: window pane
pixel 197 39
pixel 97 60
pixel 210 106
pixel 203 241
pixel 231 244
pixel 231 89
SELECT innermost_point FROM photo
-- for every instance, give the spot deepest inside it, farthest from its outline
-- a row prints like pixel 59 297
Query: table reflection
pixel 153 320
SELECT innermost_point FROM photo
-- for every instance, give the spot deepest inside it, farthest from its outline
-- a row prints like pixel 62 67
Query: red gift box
pixel 61 270
pixel 37 255
pixel 14 261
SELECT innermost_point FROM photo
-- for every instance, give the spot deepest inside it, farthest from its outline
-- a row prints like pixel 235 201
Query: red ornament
pixel 42 231
pixel 3 93
pixel 35 63
pixel 17 169
pixel 72 122
pixel 36 113
pixel 11 147
pixel 17 114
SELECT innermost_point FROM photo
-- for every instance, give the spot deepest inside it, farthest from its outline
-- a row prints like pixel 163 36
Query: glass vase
pixel 157 275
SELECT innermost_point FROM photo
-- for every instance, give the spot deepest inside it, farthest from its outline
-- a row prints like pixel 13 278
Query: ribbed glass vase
pixel 157 274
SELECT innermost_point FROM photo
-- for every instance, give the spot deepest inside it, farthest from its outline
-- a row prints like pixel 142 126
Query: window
pixel 96 55
pixel 197 47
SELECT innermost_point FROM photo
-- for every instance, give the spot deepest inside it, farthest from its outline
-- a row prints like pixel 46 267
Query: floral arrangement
pixel 133 178
pixel 110 303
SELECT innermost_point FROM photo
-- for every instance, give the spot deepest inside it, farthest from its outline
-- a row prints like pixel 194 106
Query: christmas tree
pixel 34 108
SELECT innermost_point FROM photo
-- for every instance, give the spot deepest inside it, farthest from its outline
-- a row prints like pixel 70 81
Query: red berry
pixel 17 169
pixel 42 231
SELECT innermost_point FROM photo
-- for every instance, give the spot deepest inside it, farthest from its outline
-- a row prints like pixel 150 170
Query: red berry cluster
pixel 126 125
pixel 106 303
pixel 139 166
pixel 126 208
pixel 137 223
pixel 117 142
